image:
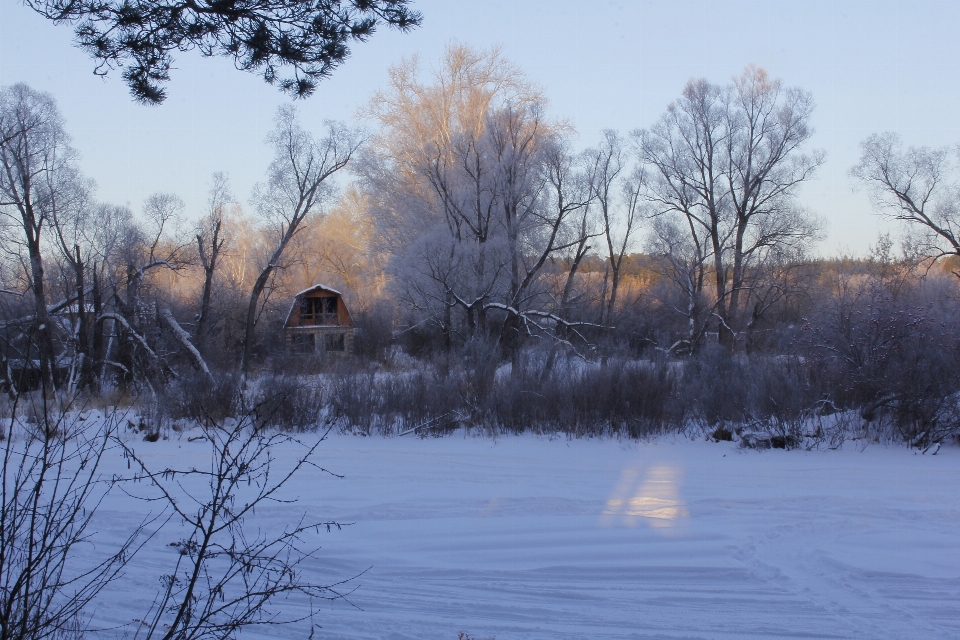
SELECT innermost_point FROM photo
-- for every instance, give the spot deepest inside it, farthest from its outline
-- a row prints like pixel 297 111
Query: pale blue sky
pixel 871 66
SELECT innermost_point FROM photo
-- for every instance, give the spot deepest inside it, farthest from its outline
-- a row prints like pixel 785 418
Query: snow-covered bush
pixel 203 398
pixel 621 397
pixel 896 359
pixel 288 403
pixel 387 402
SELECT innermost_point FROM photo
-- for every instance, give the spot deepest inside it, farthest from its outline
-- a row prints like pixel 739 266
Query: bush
pixel 370 402
pixel 896 361
pixel 716 383
pixel 287 403
pixel 623 397
pixel 196 396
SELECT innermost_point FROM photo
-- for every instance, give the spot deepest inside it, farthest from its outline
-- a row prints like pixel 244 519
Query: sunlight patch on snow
pixel 492 506
pixel 655 498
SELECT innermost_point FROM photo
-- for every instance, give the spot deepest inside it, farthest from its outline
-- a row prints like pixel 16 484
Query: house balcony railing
pixel 314 319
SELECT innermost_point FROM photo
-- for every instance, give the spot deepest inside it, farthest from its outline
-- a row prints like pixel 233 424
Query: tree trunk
pixel 603 295
pixel 510 330
pixel 614 286
pixel 248 330
pixel 83 329
pixel 44 335
pixel 209 268
pixel 258 287
pixel 183 338
pixel 561 331
pixel 724 335
pixel 737 280
pixel 447 322
pixel 97 342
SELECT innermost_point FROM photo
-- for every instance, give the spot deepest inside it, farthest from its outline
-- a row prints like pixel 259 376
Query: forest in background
pixel 500 277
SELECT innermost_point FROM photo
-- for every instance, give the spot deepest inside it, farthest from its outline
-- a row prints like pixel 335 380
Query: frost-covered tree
pixel 463 179
pixel 39 183
pixel 918 186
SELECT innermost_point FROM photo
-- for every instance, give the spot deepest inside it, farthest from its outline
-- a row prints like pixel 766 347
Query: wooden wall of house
pixel 313 340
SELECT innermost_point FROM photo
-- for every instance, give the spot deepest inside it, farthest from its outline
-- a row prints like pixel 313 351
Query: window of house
pixel 334 342
pixel 319 310
pixel 304 342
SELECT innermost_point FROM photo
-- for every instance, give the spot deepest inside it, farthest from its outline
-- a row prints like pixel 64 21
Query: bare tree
pixel 210 241
pixel 71 226
pixel 918 186
pixel 551 223
pixel 142 249
pixel 150 244
pixel 109 228
pixel 683 265
pixel 297 186
pixel 768 125
pixel 38 178
pixel 569 191
pixel 617 195
pixel 728 161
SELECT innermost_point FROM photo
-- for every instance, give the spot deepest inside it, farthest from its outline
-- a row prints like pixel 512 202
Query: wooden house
pixel 319 323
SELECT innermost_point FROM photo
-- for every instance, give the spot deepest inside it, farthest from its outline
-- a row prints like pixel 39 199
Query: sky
pixel 871 66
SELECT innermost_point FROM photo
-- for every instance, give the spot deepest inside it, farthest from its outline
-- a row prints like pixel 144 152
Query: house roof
pixel 305 292
pixel 318 286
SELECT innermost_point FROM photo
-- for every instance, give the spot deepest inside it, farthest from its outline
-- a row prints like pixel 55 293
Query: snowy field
pixel 527 537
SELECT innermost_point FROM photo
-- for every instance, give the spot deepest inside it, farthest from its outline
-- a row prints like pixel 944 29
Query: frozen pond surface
pixel 527 537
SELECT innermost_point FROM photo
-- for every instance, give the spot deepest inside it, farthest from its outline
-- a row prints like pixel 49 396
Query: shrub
pixel 896 361
pixel 716 383
pixel 287 403
pixel 196 396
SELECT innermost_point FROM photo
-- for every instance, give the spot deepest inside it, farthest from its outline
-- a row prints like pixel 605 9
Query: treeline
pixel 867 349
pixel 499 277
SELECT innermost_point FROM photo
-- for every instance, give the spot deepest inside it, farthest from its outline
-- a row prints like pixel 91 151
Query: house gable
pixel 319 322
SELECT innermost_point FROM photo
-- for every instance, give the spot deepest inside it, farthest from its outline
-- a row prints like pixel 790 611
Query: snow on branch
pixel 184 339
pixel 126 325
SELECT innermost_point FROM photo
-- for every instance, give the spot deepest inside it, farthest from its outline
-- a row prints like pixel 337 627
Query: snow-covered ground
pixel 527 537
